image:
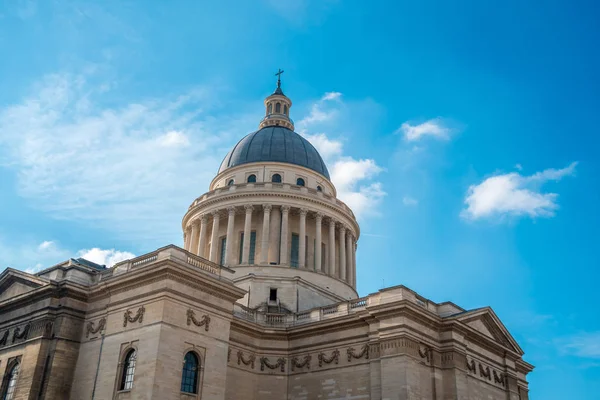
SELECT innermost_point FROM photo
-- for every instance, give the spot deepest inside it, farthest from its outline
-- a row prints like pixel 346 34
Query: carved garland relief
pixel 139 316
pixel 264 362
pixel 335 357
pixel 90 327
pixel 204 321
pixel 296 363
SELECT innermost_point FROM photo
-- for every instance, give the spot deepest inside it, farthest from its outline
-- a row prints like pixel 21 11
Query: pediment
pixel 487 323
pixel 14 283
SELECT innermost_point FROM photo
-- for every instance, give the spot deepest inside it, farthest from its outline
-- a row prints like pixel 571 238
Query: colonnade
pixel 275 246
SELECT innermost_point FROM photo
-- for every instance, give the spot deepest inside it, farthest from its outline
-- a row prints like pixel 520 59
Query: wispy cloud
pixel 436 128
pixel 514 194
pixel 409 201
pixel 132 169
pixel 353 178
pixel 586 345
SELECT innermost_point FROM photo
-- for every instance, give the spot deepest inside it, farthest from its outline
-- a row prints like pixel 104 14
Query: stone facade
pixel 273 315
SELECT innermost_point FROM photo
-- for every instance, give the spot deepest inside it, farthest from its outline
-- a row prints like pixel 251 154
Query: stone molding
pixel 204 321
pixel 139 316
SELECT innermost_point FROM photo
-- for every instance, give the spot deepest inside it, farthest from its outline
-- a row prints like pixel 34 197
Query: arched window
pixel 319 189
pixel 189 377
pixel 11 383
pixel 300 182
pixel 276 178
pixel 270 108
pixel 278 108
pixel 285 109
pixel 252 178
pixel 230 182
pixel 128 370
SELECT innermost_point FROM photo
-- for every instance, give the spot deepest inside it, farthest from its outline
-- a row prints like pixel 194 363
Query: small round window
pixel 276 178
pixel 230 183
pixel 300 182
pixel 251 178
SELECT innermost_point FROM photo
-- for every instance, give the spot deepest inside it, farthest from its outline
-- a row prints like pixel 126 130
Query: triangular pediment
pixel 486 322
pixel 14 283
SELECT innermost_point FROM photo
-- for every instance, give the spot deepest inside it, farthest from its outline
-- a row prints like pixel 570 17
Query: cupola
pixel 277 108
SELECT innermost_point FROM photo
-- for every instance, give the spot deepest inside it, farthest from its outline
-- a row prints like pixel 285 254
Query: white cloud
pixel 514 194
pixel 46 244
pixel 434 127
pixel 351 177
pixel 76 159
pixel 585 345
pixel 409 201
pixel 173 139
pixel 105 257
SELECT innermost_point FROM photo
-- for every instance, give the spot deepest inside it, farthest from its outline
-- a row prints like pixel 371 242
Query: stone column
pixel 194 236
pixel 302 241
pixel 247 234
pixel 284 248
pixel 349 258
pixel 354 246
pixel 275 236
pixel 214 237
pixel 202 241
pixel 318 221
pixel 230 239
pixel 264 242
pixel 186 238
pixel 342 271
pixel 331 269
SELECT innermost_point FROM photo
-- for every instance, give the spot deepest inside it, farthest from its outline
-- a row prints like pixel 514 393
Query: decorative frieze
pixel 335 357
pixel 264 362
pixel 425 352
pixel 139 316
pixel 486 372
pixel 248 361
pixel 90 327
pixel 18 335
pixel 204 321
pixel 4 338
pixel 499 378
pixel 296 363
pixel 363 353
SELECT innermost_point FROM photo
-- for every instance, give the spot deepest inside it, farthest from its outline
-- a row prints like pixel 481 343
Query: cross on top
pixel 278 74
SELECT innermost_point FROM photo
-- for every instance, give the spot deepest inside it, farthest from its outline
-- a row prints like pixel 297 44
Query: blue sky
pixel 463 133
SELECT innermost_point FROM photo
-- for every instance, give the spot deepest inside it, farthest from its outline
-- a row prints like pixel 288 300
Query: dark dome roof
pixel 275 143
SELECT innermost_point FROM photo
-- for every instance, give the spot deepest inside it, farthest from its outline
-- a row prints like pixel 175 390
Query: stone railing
pixel 261 187
pixel 294 319
pixel 173 253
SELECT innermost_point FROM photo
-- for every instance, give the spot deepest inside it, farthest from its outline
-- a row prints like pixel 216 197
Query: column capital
pixel 342 228
pixel 303 212
pixel 188 228
pixel 267 207
pixel 195 221
pixel 319 216
pixel 215 213
pixel 285 209
pixel 332 222
pixel 231 210
pixel 203 218
pixel 249 208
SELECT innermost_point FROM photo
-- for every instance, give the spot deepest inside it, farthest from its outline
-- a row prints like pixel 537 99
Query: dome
pixel 276 144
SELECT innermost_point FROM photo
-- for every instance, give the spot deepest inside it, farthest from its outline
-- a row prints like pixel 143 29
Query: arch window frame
pixel 285 109
pixel 300 181
pixel 278 108
pixel 251 178
pixel 11 377
pixel 230 182
pixel 276 178
pixel 270 109
pixel 319 188
pixel 127 370
pixel 190 375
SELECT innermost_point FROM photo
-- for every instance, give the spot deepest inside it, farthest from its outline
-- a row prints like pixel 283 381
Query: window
pixel 300 182
pixel 273 294
pixel 270 108
pixel 230 182
pixel 223 246
pixel 189 377
pixel 252 247
pixel 276 178
pixel 278 108
pixel 11 382
pixel 251 178
pixel 285 109
pixel 319 189
pixel 128 370
pixel 295 252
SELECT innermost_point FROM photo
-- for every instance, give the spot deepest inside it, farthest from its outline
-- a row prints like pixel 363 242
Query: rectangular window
pixel 252 247
pixel 223 246
pixel 323 256
pixel 272 294
pixel 295 252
